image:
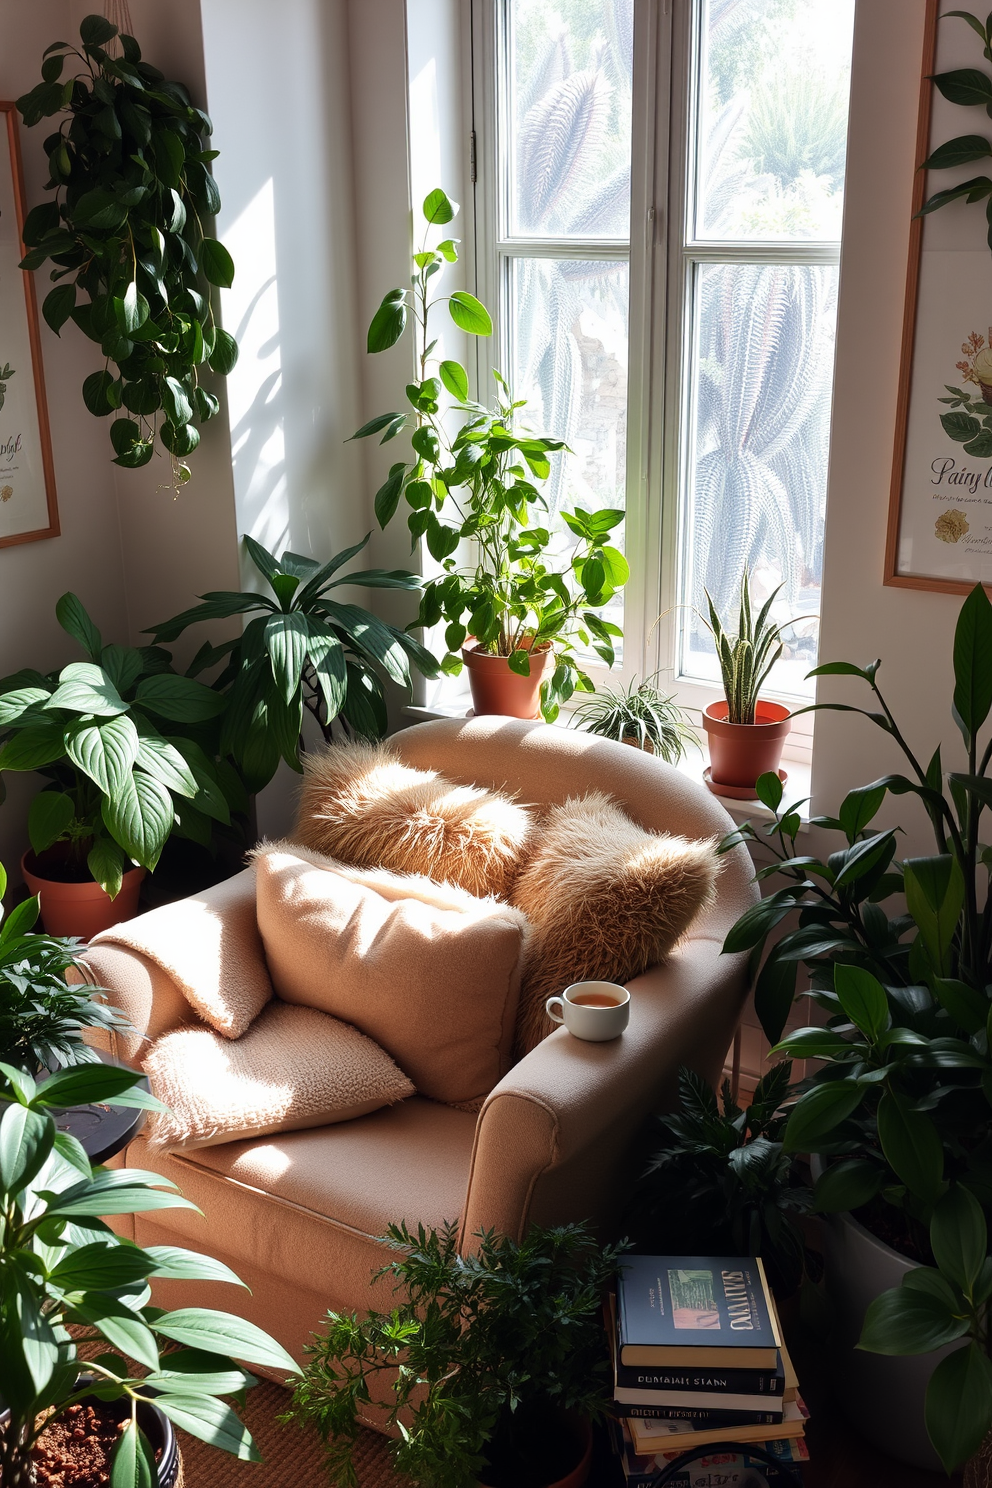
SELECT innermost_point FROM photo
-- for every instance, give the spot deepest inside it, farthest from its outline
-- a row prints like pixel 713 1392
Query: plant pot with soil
pixel 65 1283
pixel 503 1353
pixel 497 689
pixel 745 734
pixel 78 1446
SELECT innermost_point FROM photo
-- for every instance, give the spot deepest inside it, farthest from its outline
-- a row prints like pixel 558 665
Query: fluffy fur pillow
pixel 605 899
pixel 294 1068
pixel 362 805
pixel 429 972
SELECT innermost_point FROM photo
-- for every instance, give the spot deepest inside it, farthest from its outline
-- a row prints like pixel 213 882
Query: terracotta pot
pixel 495 689
pixel 740 752
pixel 161 1436
pixel 81 909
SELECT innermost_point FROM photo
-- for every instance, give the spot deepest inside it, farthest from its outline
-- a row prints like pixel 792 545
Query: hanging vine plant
pixel 132 264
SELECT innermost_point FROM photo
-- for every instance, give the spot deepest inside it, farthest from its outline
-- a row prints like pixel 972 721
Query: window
pixel 711 417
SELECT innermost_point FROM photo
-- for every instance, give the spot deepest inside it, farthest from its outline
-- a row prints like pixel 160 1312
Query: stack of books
pixel 699 1360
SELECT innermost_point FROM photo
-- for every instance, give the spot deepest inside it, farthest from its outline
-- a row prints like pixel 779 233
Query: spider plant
pixel 639 715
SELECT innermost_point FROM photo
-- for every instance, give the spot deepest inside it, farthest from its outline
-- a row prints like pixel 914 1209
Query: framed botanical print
pixel 28 505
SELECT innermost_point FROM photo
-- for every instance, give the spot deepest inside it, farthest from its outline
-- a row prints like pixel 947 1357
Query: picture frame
pixel 28 500
pixel 939 534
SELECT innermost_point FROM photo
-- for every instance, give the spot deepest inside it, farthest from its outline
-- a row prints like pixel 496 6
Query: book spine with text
pixel 712 1381
pixel 706 1417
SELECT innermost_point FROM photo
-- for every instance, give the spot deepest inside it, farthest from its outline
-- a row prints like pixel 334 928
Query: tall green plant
pixel 746 658
pixel 62 1267
pixel 303 649
pixel 971 88
pixel 903 1097
pixel 477 485
pixel 129 232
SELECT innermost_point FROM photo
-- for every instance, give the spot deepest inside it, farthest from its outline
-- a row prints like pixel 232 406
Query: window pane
pixel 772 126
pixel 762 367
pixel 568 114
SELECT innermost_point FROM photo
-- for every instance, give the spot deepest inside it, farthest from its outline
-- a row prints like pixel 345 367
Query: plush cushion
pixel 605 900
pixel 294 1068
pixel 362 805
pixel 209 945
pixel 429 972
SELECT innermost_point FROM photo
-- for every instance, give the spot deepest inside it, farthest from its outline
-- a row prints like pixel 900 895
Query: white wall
pixel 87 558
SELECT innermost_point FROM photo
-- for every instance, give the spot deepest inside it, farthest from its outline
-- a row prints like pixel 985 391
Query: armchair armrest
pixel 553 1137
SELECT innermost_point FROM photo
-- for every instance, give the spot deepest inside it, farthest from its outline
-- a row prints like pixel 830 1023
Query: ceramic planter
pixel 881 1394
pixel 495 689
pixel 161 1436
pixel 740 752
pixel 81 909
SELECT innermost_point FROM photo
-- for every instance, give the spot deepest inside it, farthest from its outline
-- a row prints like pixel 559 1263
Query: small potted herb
pixel 745 733
pixel 496 1361
pixel 62 1267
pixel 638 715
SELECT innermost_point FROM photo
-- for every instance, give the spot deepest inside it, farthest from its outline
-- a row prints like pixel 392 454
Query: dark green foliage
pixel 639 715
pixel 472 1342
pixel 303 649
pixel 128 234
pixel 720 1183
pixel 62 1266
pixel 940 1305
pixel 902 1097
pixel 128 745
pixel 478 491
pixel 42 1019
pixel 968 87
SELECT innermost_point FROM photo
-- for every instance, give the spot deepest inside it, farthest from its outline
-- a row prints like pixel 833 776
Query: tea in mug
pixel 594 999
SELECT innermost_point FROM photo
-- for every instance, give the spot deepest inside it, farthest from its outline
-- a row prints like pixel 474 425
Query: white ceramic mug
pixel 596 1011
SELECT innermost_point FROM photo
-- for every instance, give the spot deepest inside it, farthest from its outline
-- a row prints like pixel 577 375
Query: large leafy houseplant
pixel 117 737
pixel 62 1266
pixel 42 1018
pixel 901 1104
pixel 719 1182
pixel 478 1352
pixel 128 236
pixel 303 649
pixel 476 484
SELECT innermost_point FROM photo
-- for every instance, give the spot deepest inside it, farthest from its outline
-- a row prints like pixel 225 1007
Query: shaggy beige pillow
pixel 362 805
pixel 294 1068
pixel 429 972
pixel 605 899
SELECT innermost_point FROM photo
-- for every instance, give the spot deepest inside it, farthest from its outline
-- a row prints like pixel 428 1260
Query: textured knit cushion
pixel 429 972
pixel 361 805
pixel 294 1068
pixel 209 945
pixel 605 899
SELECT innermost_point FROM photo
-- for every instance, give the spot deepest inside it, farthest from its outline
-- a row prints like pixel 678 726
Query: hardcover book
pixel 667 1400
pixel 649 1437
pixel 769 1382
pixel 705 1415
pixel 686 1311
pixel 711 1468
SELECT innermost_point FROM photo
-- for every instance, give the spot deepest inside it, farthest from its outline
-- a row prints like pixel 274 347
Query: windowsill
pixel 692 765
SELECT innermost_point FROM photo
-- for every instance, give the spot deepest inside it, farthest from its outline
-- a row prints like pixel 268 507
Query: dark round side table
pixel 103 1130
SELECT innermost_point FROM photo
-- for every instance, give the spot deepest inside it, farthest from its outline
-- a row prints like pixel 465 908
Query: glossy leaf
pixel 847 1185
pixel 26 1139
pixel 133 1462
pixel 469 314
pixel 85 688
pixel 863 999
pixel 906 1320
pixel 104 751
pixel 139 816
pixel 959 1237
pixel 48 817
pixel 973 638
pixel 819 1112
pixel 212 1421
pixel 911 1145
pixel 179 699
pixel 958 1410
pixel 223 1333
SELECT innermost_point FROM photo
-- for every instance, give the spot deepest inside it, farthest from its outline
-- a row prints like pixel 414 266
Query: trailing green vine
pixel 132 264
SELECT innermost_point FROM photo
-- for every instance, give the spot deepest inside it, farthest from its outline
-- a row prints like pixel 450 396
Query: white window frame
pixel 663 257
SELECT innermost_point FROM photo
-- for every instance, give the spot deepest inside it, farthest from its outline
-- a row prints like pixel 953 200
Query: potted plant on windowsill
pixel 61 1266
pixel 117 737
pixel 496 1360
pixel 520 615
pixel 639 715
pixel 897 1111
pixel 745 733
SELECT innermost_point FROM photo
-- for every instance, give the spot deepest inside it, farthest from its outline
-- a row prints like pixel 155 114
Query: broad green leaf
pixel 223 1333
pixel 58 305
pixel 286 644
pixel 965 85
pixel 163 762
pixel 469 314
pixel 455 379
pixel 967 1006
pixel 958 1409
pixel 438 209
pixel 101 1267
pixel 133 1462
pixel 216 264
pixel 775 993
pixel 212 1421
pixel 847 1185
pixel 327 659
pixel 123 665
pixel 859 808
pixel 174 1263
pixel 48 817
pixel 119 1326
pixel 34 747
pixel 959 1237
pixel 960 151
pixel 388 322
pixel 139 817
pixel 107 863
pixel 104 751
pixel 180 699
pixel 819 1112
pixel 88 1084
pixel 768 789
pixel 23 704
pixel 906 1320
pixel 863 999
pixel 224 356
pixel 973 650
pixel 21 919
pixel 911 1145
pixel 26 1140
pixel 934 890
pixel 85 688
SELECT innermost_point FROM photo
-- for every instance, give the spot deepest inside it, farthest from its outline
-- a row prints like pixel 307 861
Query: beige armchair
pixel 297 1215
